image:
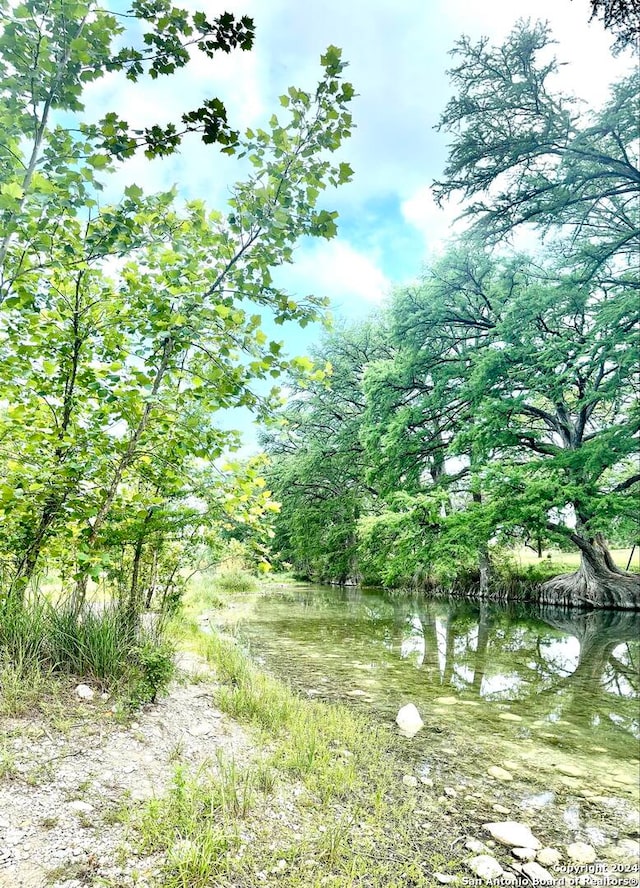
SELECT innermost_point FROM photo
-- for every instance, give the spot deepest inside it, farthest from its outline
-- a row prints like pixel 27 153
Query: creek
pixel 549 696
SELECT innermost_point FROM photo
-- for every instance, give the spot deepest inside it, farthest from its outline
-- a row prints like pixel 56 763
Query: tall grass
pixel 235 581
pixel 40 639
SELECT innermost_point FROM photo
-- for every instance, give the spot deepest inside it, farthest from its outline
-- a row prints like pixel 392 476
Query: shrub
pixel 235 581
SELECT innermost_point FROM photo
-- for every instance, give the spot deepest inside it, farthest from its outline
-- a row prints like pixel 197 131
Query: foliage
pixel 235 581
pixel 318 469
pixel 43 639
pixel 126 328
pixel 153 669
pixel 499 408
pixel 528 155
pixel 622 18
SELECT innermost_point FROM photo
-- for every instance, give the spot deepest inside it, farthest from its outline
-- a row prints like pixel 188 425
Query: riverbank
pixel 237 779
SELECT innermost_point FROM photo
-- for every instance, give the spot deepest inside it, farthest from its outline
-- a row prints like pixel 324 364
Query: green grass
pixel 41 641
pixel 567 561
pixel 321 803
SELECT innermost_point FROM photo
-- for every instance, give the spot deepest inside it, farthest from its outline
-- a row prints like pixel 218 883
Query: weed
pixel 176 752
pixel 41 640
pixel 234 582
pixel 8 768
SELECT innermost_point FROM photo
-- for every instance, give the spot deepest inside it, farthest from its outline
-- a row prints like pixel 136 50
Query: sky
pixel 397 52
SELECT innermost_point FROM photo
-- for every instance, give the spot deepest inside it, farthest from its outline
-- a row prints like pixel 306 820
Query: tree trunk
pixel 597 583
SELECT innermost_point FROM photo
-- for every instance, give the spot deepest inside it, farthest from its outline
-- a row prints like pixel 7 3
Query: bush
pixel 51 639
pixel 153 668
pixel 235 581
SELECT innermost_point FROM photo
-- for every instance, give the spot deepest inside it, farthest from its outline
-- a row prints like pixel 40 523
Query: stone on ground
pixel 513 834
pixel 410 780
pixel 525 854
pixel 85 692
pixel 408 720
pixel 499 773
pixel 538 874
pixel 476 846
pixel 581 853
pixel 549 857
pixel 485 867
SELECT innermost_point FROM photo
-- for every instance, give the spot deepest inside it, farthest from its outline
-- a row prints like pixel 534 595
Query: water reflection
pixel 573 672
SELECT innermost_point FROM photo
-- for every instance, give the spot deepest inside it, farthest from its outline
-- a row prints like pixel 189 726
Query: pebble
pixel 538 874
pixel 200 730
pixel 409 721
pixel 581 853
pixel 526 854
pixel 410 780
pixel 80 807
pixel 500 809
pixel 486 867
pixel 513 834
pixel 499 773
pixel 570 771
pixel 549 856
pixel 476 846
pixel 446 879
pixel 84 692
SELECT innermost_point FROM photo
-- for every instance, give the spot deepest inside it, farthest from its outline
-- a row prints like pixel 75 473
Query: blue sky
pixel 398 55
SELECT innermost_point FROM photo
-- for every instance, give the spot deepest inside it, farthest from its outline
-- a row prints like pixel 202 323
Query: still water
pixel 553 693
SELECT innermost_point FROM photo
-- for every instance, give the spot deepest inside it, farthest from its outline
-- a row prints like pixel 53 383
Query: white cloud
pixel 436 224
pixel 338 271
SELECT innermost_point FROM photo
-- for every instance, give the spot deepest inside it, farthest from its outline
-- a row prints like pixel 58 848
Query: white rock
pixel 476 846
pixel 580 852
pixel 81 807
pixel 200 730
pixel 538 874
pixel 85 692
pixel 445 878
pixel 426 781
pixel 500 809
pixel 626 849
pixel 513 834
pixel 570 770
pixel 548 856
pixel 450 791
pixel 408 720
pixel 499 773
pixel 524 853
pixel 410 780
pixel 485 867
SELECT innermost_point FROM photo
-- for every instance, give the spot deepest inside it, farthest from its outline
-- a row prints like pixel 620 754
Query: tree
pixel 319 467
pixel 530 375
pixel 523 155
pixel 126 328
pixel 622 18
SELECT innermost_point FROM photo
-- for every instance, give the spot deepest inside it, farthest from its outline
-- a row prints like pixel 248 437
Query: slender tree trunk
pixel 153 578
pixel 133 605
pixel 57 497
pixel 484 563
pixel 126 460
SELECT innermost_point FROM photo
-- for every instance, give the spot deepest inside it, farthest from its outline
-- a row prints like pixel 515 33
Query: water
pixel 550 694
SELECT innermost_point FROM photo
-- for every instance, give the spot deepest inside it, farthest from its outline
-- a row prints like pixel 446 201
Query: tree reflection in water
pixel 578 666
pixel 574 672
